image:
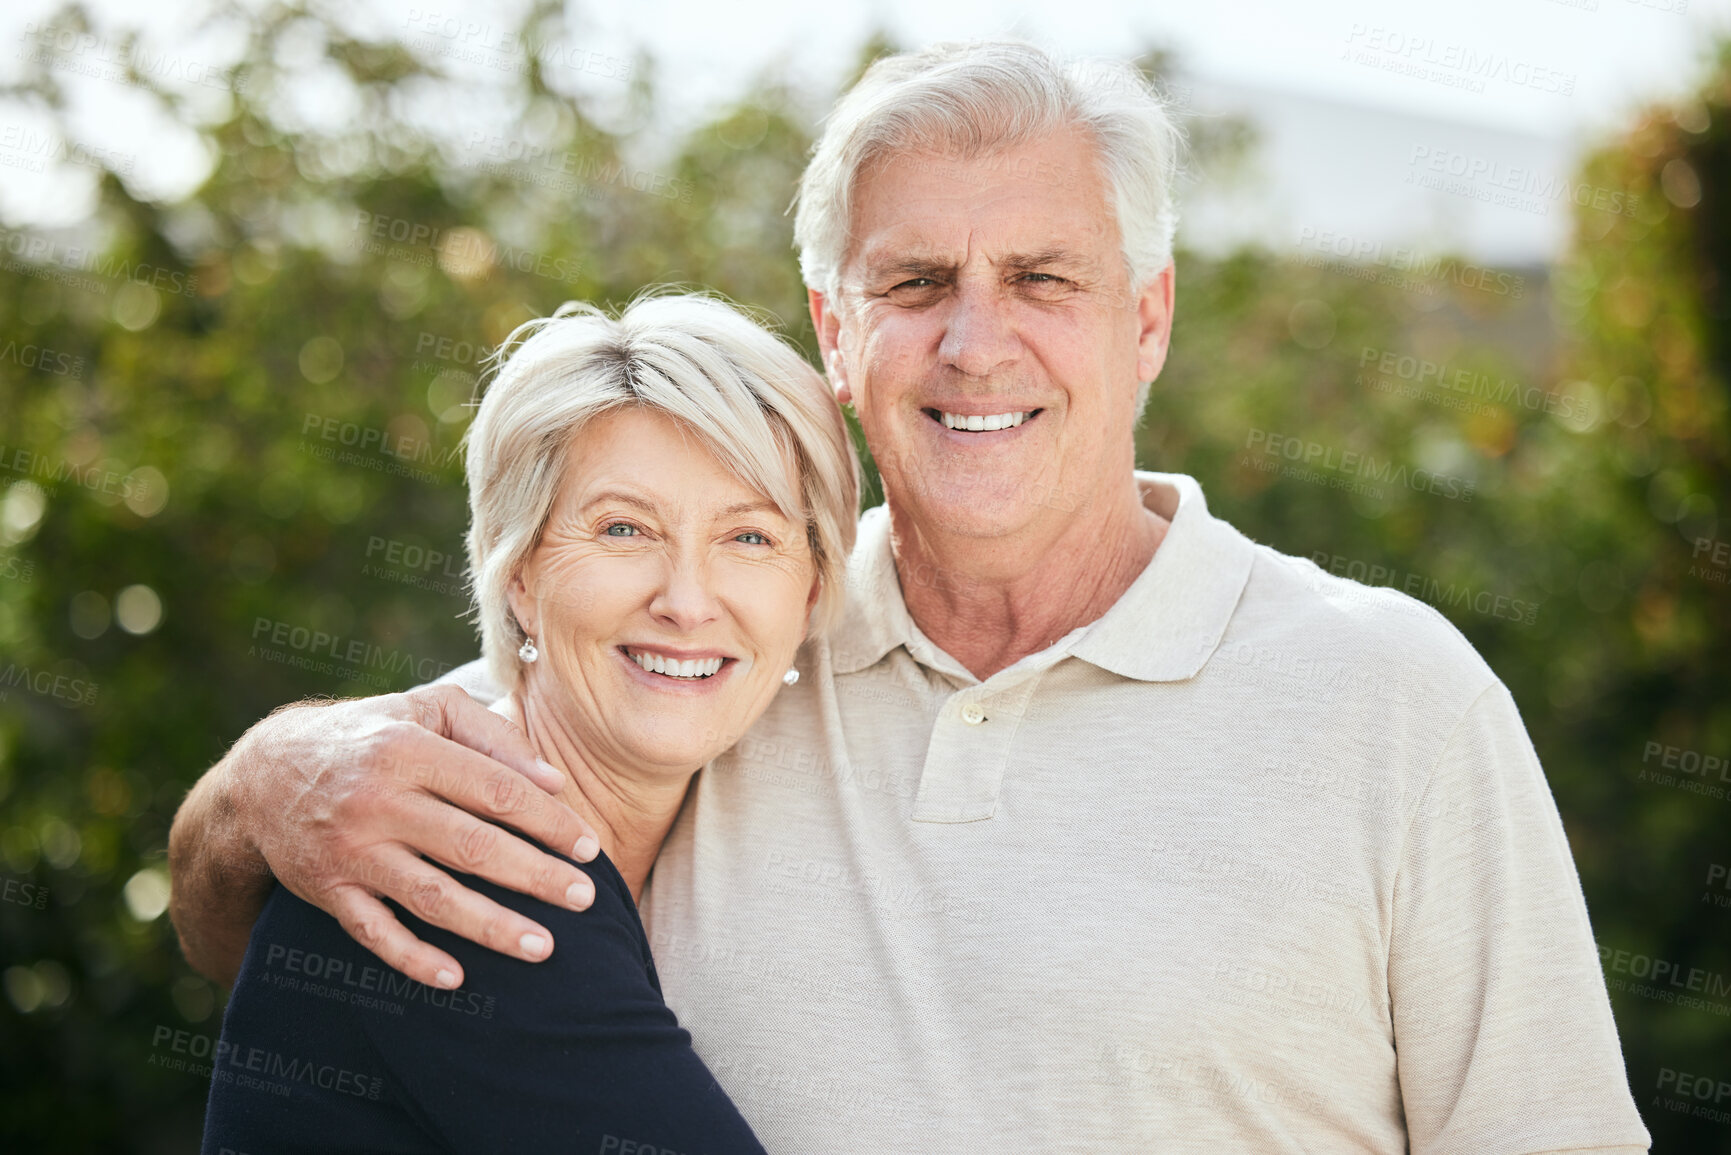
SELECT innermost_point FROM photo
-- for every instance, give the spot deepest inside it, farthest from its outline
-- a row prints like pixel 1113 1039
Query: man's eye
pixel 752 537
pixel 1042 278
pixel 916 283
pixel 621 529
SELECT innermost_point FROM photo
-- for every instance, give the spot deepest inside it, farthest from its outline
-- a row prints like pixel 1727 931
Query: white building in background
pixel 1330 176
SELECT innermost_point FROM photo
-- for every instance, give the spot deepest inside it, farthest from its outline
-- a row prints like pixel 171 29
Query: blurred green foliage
pixel 235 484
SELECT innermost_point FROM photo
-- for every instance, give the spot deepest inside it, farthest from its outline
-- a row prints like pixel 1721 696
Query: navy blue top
pixel 326 1049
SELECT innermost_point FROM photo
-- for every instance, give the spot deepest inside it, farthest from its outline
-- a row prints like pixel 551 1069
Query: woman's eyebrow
pixel 620 497
pixel 636 501
pixel 761 506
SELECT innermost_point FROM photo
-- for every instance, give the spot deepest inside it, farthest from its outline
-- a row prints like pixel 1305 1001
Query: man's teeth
pixel 695 668
pixel 974 423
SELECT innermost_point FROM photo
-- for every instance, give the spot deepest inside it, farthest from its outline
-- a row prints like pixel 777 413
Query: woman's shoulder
pixel 518 1052
pixel 601 961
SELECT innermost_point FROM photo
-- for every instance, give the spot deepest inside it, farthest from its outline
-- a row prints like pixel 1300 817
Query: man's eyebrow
pixel 922 266
pixel 909 267
pixel 1040 259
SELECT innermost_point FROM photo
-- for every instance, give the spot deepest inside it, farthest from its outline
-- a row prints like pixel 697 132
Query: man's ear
pixel 1154 324
pixel 828 326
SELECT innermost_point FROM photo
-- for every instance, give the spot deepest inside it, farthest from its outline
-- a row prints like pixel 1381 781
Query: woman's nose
pixel 686 599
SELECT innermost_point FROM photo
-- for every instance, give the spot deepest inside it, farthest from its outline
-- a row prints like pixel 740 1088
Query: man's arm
pixel 1501 1019
pixel 340 802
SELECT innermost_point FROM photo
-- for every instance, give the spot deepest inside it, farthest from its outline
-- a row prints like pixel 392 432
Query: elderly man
pixel 1094 826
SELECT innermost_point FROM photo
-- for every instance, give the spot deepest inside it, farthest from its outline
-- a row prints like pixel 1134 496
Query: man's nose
pixel 979 336
pixel 686 599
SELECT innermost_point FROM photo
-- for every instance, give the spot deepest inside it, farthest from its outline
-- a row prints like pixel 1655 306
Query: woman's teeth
pixel 977 424
pixel 695 668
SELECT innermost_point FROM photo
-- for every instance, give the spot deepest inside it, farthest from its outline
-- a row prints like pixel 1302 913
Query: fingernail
pixel 554 778
pixel 445 979
pixel 579 895
pixel 586 849
pixel 533 946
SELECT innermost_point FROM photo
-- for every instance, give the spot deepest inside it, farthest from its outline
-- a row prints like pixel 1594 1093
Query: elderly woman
pixel 661 506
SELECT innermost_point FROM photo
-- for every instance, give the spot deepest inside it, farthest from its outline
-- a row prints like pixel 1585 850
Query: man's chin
pixel 984 515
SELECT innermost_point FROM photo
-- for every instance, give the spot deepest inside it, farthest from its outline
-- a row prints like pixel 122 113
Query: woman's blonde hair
pixel 749 395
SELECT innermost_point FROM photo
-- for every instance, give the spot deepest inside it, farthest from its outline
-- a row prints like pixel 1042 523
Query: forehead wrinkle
pixel 615 494
pixel 925 262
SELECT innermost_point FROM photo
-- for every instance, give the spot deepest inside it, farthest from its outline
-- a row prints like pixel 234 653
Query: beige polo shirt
pixel 1262 860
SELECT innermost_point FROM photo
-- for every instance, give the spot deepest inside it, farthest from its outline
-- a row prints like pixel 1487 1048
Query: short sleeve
pixel 1492 970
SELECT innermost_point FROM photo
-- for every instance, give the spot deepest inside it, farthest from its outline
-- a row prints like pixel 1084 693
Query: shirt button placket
pixel 973 713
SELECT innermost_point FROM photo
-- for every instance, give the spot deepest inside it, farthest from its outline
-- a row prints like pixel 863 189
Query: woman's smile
pixel 668 671
pixel 668 597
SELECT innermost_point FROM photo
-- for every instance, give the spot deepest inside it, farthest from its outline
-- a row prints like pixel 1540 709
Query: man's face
pixel 990 292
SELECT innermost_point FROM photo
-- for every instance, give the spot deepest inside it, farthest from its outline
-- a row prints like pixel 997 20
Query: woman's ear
pixel 810 603
pixel 522 605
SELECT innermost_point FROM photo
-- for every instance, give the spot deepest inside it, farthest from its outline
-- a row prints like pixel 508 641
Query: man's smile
pixel 981 422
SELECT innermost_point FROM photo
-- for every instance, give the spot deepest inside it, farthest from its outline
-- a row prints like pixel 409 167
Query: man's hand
pixel 341 800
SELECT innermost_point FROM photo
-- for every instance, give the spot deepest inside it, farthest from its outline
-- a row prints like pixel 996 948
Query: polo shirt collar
pixel 1163 628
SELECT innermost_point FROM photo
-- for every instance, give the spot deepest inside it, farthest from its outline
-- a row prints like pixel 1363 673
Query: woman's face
pixel 667 597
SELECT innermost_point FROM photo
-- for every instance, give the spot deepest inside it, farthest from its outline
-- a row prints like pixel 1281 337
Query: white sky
pixel 1340 123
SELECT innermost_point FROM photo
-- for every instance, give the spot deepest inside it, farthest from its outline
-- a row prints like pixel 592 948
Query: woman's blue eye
pixel 620 529
pixel 757 538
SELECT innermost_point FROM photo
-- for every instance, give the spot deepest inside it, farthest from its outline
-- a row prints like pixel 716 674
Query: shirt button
pixel 973 713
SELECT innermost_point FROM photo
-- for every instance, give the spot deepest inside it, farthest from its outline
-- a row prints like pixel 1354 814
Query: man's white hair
pixel 978 99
